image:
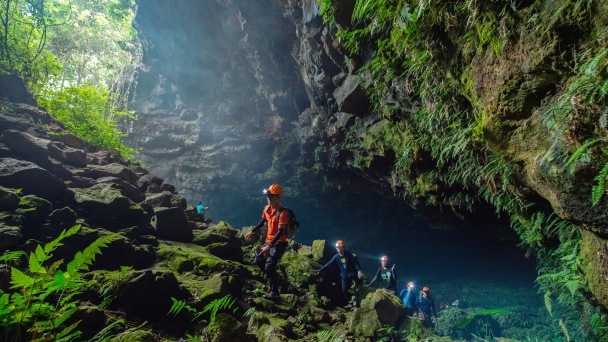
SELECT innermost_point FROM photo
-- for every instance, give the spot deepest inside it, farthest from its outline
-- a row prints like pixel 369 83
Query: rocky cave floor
pixel 50 181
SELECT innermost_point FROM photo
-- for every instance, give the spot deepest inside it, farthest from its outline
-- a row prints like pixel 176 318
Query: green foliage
pixel 89 114
pixel 485 312
pixel 44 299
pixel 224 303
pixel 330 336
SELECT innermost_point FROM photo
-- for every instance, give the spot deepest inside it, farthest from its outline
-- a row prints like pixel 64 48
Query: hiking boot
pixel 348 307
pixel 270 296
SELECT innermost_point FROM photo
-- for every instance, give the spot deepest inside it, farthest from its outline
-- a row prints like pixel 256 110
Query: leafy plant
pixel 224 303
pixel 44 299
pixel 485 312
pixel 89 114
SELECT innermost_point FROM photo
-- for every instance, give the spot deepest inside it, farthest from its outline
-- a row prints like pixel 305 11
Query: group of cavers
pixel 279 221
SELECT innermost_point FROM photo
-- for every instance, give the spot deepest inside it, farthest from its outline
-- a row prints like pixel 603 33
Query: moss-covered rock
pixel 103 202
pixel 9 237
pixel 171 224
pixel 256 321
pixel 136 336
pixel 34 210
pixel 321 251
pixel 173 255
pixel 300 270
pixel 268 333
pixel 388 306
pixel 227 329
pixel 363 323
pixel 63 218
pixel 594 254
pixel 9 200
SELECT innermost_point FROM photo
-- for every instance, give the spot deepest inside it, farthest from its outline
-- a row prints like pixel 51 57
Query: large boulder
pixel 322 251
pixel 171 224
pixel 166 199
pixel 24 144
pixel 125 188
pixel 387 305
pixel 363 323
pixel 221 240
pixel 148 293
pixel 113 170
pixel 227 329
pixel 9 200
pixel 103 202
pixel 68 155
pixel 145 181
pixel 19 174
pixel 9 237
pixel 34 210
pixel 19 122
pixel 268 333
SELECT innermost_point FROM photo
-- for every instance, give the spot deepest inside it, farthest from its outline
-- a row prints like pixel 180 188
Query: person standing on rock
pixel 276 238
pixel 388 275
pixel 350 272
pixel 426 306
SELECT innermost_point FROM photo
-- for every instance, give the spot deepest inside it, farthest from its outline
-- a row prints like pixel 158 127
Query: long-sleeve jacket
pixel 389 278
pixel 347 263
pixel 408 298
pixel 426 305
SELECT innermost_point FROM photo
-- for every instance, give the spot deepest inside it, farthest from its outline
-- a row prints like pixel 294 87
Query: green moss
pixel 182 257
pixel 135 336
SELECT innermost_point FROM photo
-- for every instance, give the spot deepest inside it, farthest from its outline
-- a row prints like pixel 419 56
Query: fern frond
pixel 249 312
pixel 20 279
pixel 564 329
pixel 599 189
pixel 549 302
pixel 177 307
pixel 579 151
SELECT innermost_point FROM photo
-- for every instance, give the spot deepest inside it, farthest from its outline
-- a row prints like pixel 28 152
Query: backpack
pixel 293 225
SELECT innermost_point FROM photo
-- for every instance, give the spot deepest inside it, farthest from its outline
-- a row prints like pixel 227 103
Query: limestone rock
pixel 171 224
pixel 319 315
pixel 18 174
pixel 221 241
pixel 34 210
pixel 71 140
pixel 363 323
pixel 256 321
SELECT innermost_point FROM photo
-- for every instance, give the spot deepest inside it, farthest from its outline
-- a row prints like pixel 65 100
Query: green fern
pixel 548 302
pixel 598 190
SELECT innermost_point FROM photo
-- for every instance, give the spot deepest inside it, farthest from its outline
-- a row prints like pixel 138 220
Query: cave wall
pixel 235 95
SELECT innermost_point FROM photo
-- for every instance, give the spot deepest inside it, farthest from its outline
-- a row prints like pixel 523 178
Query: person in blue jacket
pixel 350 272
pixel 426 305
pixel 409 298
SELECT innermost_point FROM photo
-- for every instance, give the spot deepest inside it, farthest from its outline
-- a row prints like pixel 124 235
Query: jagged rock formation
pixel 326 121
pixel 51 181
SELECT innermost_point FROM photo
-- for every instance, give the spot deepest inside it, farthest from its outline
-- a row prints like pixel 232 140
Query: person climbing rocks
pixel 388 275
pixel 426 306
pixel 276 238
pixel 409 298
pixel 350 272
pixel 200 209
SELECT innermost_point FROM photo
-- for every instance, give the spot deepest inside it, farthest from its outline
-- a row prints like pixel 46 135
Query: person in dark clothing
pixel 388 275
pixel 426 305
pixel 409 298
pixel 350 272
pixel 276 238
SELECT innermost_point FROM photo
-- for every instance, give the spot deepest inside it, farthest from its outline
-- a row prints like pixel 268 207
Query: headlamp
pixel 265 191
